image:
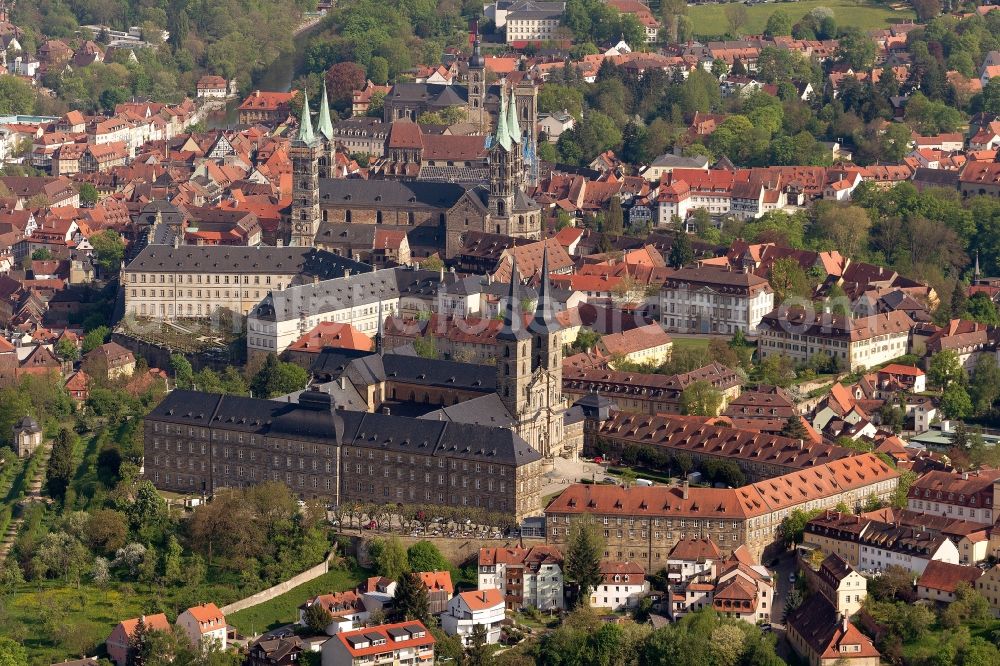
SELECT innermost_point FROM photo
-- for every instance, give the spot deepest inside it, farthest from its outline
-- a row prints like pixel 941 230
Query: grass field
pixel 690 343
pixel 710 20
pixel 284 609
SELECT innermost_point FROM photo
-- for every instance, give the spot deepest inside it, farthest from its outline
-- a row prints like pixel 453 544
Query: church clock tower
pixel 304 153
pixel 514 351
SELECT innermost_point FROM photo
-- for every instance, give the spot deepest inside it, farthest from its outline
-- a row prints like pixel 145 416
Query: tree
pixel 110 250
pixel 927 9
pixel 11 652
pixel 614 223
pixel 89 194
pixel 95 338
pixel 412 599
pixel 955 401
pixel 16 97
pixel 958 299
pixel 183 372
pixel 426 346
pixel 583 559
pixel 389 557
pixel 794 525
pixel 736 17
pixel 794 428
pixel 681 252
pixel 278 378
pixel 856 49
pixel 61 467
pixel 425 556
pixel 944 368
pixel 778 24
pixel 984 385
pixel 788 280
pixel 317 618
pixel 172 562
pixel 478 653
pixel 341 81
pixel 106 531
pixel 67 350
pixel 700 398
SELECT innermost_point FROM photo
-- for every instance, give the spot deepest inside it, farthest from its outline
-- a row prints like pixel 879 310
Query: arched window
pixel 302 215
pixel 347 216
pixel 501 208
pixel 378 217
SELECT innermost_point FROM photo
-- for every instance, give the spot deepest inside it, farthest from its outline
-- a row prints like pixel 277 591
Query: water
pixel 276 78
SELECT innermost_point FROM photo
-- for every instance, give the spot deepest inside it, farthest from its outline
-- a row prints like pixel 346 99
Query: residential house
pixel 400 644
pixel 468 609
pixel 988 585
pixel 622 586
pixel 841 584
pixel 110 358
pixel 118 643
pixel 204 625
pixel 824 637
pixel 527 577
pixel 939 580
pixel 439 589
pixel 280 650
pixel 347 610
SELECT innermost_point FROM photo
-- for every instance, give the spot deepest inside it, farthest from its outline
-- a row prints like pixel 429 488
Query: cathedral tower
pixel 503 160
pixel 514 353
pixel 305 153
pixel 476 105
pixel 327 158
pixel 546 364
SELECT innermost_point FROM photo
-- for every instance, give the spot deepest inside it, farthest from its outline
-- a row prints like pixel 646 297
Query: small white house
pixel 623 586
pixel 203 625
pixel 554 124
pixel 468 609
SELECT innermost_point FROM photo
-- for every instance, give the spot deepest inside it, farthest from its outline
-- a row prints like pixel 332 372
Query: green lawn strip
pixel 710 20
pixel 284 608
pixel 690 343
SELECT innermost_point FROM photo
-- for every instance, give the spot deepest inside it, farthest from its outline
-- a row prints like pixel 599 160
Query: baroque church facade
pixel 529 370
pixel 500 206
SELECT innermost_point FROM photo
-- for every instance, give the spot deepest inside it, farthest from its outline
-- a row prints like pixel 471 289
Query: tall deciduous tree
pixel 701 399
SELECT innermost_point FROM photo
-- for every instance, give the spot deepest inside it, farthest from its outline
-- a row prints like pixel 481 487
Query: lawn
pixel 710 20
pixel 284 609
pixel 690 343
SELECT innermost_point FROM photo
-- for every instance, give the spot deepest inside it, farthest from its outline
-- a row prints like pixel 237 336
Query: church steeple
pixel 513 322
pixel 325 125
pixel 545 321
pixel 513 127
pixel 502 136
pixel 306 134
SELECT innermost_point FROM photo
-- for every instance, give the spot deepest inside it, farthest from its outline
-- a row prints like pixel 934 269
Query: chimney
pixel 343 383
pixel 280 243
pixel 684 489
pixel 315 279
pixel 385 410
pixel 965 476
pixel 347 272
pixel 843 623
pixel 177 241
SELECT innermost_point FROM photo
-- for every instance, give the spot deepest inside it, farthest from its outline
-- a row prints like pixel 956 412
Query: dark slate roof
pixel 332 362
pixel 440 438
pixel 315 418
pixel 304 261
pixel 485 410
pixel 437 372
pixel 432 94
pixel 531 10
pixel 385 194
pixel 27 424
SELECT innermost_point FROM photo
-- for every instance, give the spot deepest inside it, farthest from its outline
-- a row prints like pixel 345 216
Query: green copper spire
pixel 325 125
pixel 503 135
pixel 306 135
pixel 513 128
